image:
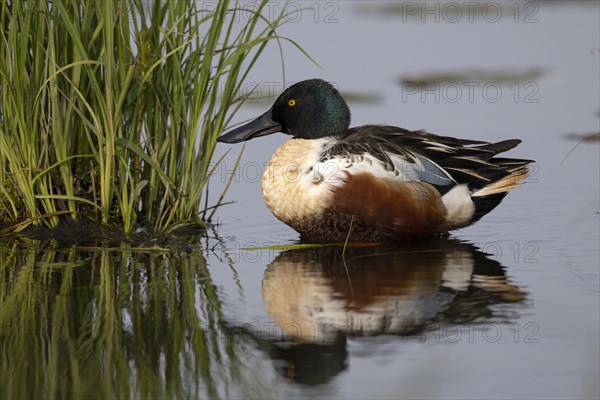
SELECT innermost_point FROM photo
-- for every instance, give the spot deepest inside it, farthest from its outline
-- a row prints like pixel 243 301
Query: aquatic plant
pixel 110 109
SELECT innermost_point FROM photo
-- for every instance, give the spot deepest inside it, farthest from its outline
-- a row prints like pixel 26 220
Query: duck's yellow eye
pixel 291 103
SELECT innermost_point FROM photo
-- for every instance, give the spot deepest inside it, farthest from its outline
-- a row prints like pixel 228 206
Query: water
pixel 507 308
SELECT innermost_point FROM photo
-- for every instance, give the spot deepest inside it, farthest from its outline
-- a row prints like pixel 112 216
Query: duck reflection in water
pixel 319 298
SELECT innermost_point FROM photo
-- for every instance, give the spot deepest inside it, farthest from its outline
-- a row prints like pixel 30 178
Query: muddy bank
pixel 89 233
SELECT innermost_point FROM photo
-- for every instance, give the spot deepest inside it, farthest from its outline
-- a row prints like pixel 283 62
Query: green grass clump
pixel 110 109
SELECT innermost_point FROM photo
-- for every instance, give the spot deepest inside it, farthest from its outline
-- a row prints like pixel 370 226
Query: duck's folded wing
pixel 418 155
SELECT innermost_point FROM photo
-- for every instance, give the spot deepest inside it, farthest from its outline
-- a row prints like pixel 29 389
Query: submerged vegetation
pixel 109 110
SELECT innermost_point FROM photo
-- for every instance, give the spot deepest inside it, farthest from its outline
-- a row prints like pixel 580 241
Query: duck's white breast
pixel 294 185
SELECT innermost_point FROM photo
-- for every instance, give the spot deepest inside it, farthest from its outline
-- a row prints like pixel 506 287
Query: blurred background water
pixel 507 308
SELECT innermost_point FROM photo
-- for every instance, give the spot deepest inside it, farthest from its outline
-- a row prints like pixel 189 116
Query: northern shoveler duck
pixel 380 183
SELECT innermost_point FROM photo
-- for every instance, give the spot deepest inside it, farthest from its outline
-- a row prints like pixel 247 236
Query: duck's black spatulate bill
pixel 261 126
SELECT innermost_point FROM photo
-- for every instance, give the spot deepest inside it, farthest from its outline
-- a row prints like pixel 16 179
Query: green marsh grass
pixel 110 109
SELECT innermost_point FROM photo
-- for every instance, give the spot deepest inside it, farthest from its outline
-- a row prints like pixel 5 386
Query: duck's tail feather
pixel 488 197
pixel 511 181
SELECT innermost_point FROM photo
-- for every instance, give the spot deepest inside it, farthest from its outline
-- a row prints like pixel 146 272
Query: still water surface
pixel 507 308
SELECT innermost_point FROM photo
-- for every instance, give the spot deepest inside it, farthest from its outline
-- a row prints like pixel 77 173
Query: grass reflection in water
pixel 111 324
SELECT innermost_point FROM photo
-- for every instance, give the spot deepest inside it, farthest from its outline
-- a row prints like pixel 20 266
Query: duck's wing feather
pixel 440 160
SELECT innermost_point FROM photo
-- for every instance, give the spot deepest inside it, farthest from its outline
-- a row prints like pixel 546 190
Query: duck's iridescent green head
pixel 309 109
